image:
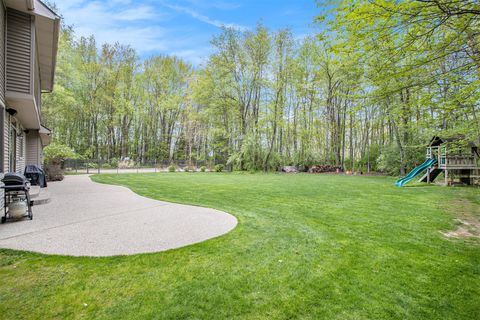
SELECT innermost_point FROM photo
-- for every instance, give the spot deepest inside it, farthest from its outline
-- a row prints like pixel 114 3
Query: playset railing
pixel 447 161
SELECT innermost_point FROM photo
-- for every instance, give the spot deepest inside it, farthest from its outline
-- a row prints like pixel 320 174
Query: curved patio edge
pixel 89 219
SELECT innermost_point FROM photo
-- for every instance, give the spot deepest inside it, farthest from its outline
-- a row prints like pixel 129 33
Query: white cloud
pixel 149 27
pixel 195 56
pixel 121 2
pixel 104 14
pixel 137 14
pixel 220 5
pixel 116 21
pixel 204 18
pixel 143 40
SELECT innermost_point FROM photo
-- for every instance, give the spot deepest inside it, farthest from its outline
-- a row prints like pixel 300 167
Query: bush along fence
pixel 114 166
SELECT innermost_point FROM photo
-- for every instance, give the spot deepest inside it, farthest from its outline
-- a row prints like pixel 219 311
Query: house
pixel 29 33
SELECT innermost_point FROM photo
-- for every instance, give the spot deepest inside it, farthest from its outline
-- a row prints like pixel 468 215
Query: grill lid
pixel 13 178
pixel 33 169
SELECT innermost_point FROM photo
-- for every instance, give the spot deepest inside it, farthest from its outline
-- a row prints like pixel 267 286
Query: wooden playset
pixel 457 158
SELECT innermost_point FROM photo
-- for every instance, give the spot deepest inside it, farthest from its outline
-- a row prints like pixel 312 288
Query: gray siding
pixel 19 52
pixel 3 127
pixel 2 82
pixel 6 142
pixel 33 148
pixel 2 90
pixel 2 53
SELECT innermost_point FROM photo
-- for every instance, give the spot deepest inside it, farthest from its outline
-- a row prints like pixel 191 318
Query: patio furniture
pixel 16 195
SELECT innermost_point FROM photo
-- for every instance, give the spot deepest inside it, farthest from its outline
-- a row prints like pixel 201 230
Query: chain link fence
pixel 147 166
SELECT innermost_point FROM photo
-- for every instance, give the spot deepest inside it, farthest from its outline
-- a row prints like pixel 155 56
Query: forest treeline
pixel 365 92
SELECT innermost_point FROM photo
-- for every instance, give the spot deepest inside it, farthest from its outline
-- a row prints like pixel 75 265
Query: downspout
pixel 31 5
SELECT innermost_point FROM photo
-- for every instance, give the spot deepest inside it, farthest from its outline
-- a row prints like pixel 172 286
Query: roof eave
pixel 40 10
pixel 50 14
pixel 56 33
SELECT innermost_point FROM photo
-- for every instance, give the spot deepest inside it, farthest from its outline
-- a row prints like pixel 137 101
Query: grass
pixel 306 247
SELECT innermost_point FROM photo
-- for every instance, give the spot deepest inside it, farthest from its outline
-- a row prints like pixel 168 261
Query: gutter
pixel 56 34
pixel 48 8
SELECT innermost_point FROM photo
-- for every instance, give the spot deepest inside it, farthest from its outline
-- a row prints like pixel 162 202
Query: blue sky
pixel 181 27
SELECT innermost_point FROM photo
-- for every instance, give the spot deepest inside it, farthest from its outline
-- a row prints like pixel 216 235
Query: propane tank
pixel 17 209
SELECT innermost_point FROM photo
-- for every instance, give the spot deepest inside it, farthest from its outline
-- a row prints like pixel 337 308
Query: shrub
pixel 203 168
pixel 114 162
pixel 369 158
pixel 54 172
pixel 106 166
pixel 126 164
pixel 172 168
pixel 91 165
pixel 389 160
pixel 186 169
pixel 219 167
pixel 56 153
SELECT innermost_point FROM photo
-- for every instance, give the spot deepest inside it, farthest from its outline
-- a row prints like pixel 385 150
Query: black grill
pixel 16 188
pixel 36 176
pixel 15 180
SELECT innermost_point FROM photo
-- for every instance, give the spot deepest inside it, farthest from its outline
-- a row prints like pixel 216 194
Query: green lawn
pixel 307 247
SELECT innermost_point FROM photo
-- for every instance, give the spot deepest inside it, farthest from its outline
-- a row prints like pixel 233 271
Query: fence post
pixel 88 166
pixel 155 165
pixel 98 165
pixel 76 171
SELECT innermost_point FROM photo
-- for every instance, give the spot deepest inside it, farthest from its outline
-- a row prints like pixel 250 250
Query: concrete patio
pixel 84 218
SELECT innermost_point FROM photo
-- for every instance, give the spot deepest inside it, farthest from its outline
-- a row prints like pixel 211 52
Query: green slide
pixel 415 172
